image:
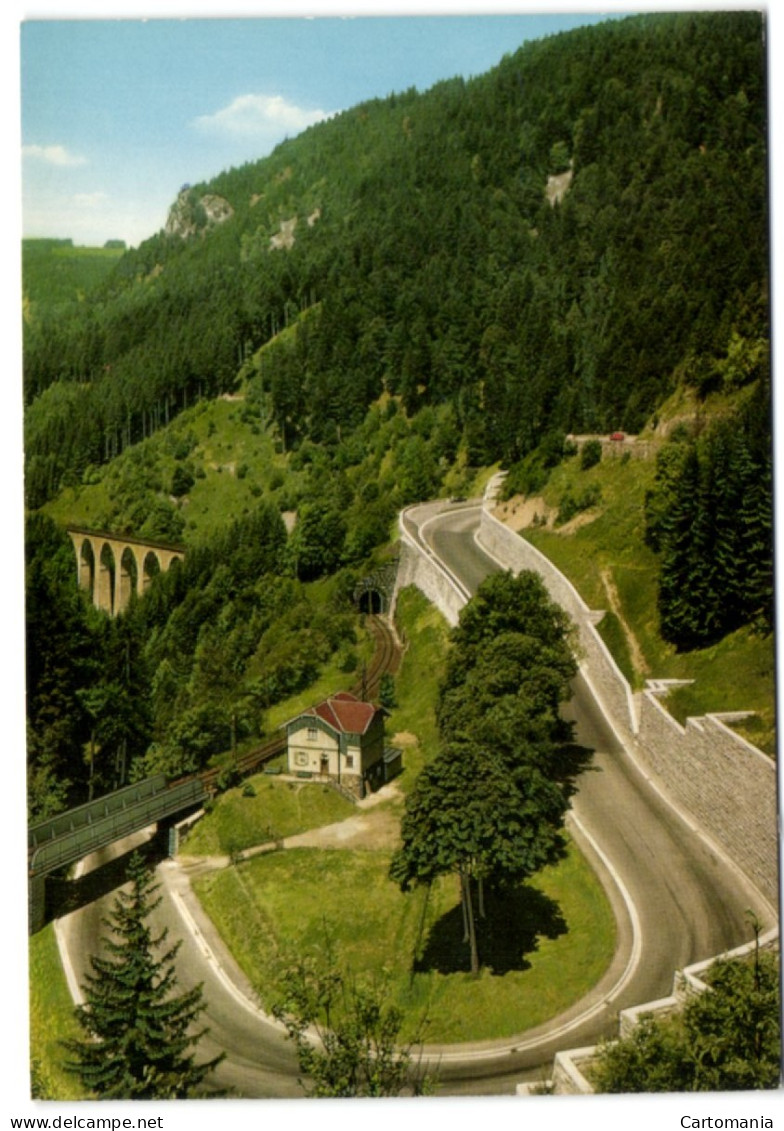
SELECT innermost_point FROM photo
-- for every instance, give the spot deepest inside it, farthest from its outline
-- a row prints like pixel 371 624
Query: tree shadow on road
pixel 515 919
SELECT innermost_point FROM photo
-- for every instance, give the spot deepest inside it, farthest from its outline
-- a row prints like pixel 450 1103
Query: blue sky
pixel 117 113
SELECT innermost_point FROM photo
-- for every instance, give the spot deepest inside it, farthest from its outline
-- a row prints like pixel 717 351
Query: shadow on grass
pixel 515 919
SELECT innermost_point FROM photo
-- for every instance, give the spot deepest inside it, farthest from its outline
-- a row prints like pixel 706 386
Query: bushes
pixel 591 454
pixel 573 503
pixel 710 518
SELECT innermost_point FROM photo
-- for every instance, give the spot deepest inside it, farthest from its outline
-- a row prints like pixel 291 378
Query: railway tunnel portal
pixel 374 593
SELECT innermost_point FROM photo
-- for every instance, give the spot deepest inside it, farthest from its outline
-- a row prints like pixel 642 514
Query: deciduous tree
pixel 346 1034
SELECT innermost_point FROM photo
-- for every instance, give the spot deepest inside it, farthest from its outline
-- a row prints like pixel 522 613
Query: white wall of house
pixel 315 748
pixel 312 750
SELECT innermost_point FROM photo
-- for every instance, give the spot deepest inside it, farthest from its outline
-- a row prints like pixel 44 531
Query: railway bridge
pixel 67 837
pixel 110 567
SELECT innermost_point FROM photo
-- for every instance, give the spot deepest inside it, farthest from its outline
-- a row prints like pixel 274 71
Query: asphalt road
pixel 675 902
pixel 683 902
pixel 259 1061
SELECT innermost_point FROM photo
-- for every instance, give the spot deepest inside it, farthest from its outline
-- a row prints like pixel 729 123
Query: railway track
pixel 386 658
pixel 86 824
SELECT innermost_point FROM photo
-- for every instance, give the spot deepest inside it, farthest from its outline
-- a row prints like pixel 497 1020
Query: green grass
pixel 553 939
pixel 51 1019
pixel 417 681
pixel 278 809
pixel 738 674
pixel 233 456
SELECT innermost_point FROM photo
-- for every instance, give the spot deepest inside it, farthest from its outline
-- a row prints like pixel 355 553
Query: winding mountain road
pixel 676 901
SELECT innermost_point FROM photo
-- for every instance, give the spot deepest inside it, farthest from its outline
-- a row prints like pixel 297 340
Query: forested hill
pixel 551 246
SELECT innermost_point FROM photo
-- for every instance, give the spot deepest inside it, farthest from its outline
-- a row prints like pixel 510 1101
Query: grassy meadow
pixel 603 553
pixel 547 944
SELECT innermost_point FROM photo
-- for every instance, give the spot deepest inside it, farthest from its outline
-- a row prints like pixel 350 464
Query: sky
pixel 118 114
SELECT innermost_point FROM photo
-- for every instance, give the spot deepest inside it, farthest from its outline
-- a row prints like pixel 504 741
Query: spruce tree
pixel 140 1038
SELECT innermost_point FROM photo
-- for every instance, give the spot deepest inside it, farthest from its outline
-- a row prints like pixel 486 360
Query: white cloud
pixel 52 155
pixel 255 115
pixel 90 199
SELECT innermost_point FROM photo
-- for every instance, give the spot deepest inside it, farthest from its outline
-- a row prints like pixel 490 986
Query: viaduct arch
pixel 110 567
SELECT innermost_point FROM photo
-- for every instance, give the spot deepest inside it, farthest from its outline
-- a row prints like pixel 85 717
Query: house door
pixel 324 765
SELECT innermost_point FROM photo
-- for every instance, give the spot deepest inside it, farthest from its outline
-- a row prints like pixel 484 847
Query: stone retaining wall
pixel 728 785
pixel 419 569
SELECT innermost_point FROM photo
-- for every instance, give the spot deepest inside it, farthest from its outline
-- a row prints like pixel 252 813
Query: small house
pixel 342 739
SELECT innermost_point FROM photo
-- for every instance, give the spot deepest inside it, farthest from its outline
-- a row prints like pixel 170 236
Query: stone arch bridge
pixel 110 567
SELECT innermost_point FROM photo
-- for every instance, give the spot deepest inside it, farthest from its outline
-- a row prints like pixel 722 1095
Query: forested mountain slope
pixel 400 297
pixel 419 233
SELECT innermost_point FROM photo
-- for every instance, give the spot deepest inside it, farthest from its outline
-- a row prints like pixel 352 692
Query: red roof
pixel 345 713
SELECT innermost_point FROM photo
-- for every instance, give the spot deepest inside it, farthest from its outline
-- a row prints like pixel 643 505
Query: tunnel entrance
pixel 371 601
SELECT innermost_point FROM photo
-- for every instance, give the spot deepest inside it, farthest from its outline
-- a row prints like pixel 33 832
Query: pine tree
pixel 140 1039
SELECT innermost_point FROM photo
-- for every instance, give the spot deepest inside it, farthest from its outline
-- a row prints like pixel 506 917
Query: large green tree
pixel 490 807
pixel 140 1038
pixel 520 313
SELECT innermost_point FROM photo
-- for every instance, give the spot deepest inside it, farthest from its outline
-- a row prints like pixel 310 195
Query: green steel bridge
pixel 68 837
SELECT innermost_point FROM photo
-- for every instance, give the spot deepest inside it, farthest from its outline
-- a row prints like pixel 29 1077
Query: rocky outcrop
pixel 191 214
pixel 284 239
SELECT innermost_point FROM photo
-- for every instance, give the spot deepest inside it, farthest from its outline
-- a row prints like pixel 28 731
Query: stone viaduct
pixel 110 567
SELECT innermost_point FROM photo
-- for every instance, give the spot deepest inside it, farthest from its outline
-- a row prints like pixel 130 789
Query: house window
pixel 301 758
pixel 312 734
pixel 349 761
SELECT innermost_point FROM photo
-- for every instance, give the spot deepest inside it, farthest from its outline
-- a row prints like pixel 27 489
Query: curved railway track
pixel 386 657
